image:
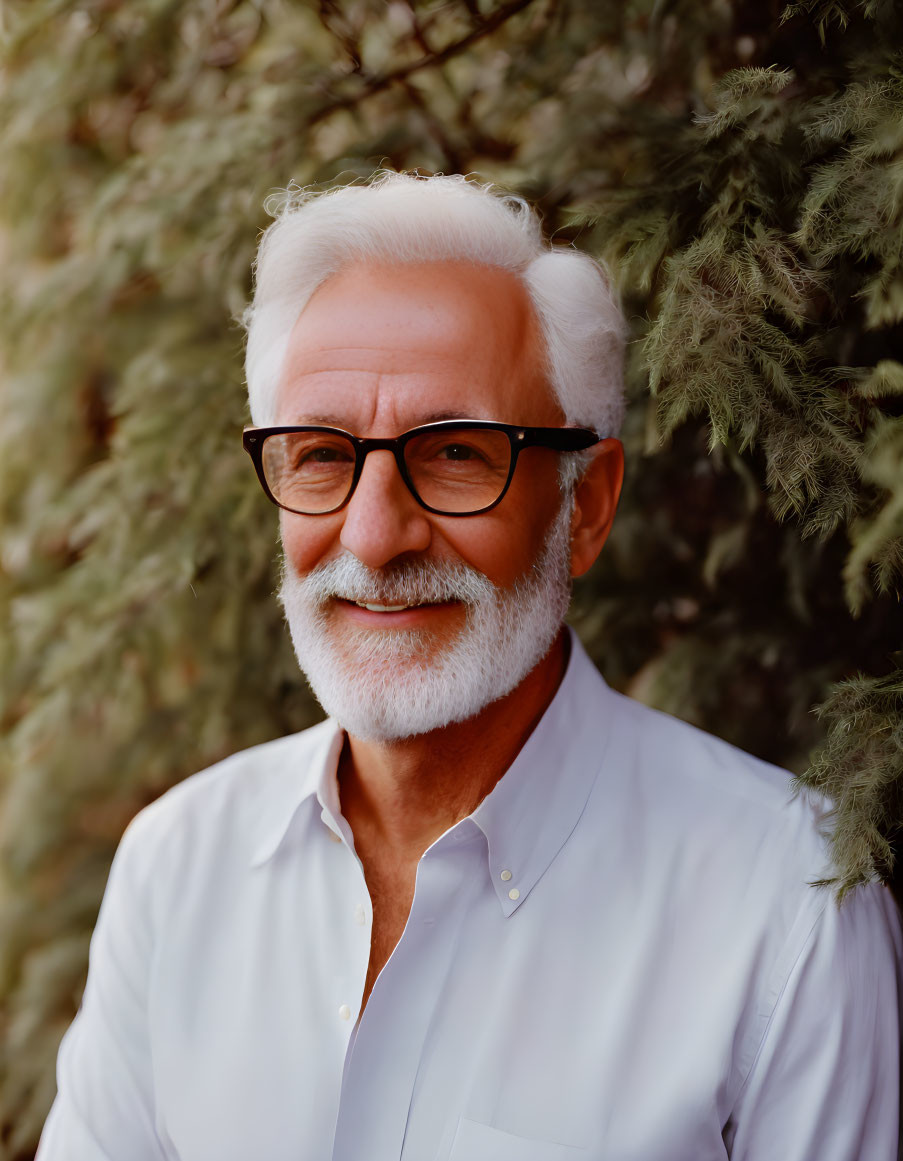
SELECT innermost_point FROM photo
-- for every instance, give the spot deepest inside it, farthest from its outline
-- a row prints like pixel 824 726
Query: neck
pixel 402 795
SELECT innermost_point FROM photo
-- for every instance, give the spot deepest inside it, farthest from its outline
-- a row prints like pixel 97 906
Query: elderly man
pixel 489 910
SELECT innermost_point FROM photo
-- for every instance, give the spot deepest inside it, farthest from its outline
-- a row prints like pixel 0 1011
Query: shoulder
pixel 225 807
pixel 723 848
pixel 711 777
pixel 665 747
pixel 718 823
pixel 658 768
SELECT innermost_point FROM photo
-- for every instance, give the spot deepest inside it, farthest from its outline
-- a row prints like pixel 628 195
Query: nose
pixel 382 518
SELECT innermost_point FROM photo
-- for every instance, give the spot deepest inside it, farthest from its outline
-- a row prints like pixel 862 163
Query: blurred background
pixel 739 165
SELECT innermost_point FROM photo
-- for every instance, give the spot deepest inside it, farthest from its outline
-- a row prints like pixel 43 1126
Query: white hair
pixel 401 217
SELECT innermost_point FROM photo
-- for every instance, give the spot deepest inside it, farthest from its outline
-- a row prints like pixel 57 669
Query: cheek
pixel 307 540
pixel 514 534
pixel 498 552
pixel 504 544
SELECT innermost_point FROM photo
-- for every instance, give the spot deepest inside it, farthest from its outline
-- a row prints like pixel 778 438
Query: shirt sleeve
pixel 825 1085
pixel 104 1109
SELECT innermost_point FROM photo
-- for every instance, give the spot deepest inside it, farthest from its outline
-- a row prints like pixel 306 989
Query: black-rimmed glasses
pixel 458 467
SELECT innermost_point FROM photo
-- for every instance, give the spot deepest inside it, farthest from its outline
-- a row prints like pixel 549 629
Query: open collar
pixel 301 768
pixel 527 817
pixel 532 811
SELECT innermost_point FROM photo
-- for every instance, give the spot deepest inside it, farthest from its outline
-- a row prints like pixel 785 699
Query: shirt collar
pixel 533 809
pixel 303 768
pixel 528 816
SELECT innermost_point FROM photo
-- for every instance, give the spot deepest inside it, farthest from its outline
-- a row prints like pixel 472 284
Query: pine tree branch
pixel 435 127
pixel 332 18
pixel 430 60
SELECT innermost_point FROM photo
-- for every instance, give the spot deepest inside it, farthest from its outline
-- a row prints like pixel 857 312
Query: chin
pixel 389 684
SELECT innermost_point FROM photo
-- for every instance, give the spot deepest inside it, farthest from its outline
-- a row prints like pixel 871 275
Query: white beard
pixel 387 684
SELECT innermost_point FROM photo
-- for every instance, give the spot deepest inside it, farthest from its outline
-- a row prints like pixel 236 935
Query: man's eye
pixel 457 451
pixel 321 455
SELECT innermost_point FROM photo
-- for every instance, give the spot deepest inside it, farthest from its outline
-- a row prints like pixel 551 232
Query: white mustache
pixel 422 582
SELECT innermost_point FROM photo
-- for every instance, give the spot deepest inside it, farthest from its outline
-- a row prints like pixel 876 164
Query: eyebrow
pixel 433 417
pixel 322 420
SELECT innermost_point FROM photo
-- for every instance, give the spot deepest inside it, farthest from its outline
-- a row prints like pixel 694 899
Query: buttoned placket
pixel 492 859
pixel 386 1047
pixel 353 924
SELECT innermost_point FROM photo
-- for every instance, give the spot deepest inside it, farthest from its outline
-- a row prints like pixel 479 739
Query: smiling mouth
pixel 376 607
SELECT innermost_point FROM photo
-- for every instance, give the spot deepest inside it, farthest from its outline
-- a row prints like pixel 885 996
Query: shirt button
pixel 344 1012
pixel 506 875
pixel 360 915
pixel 514 893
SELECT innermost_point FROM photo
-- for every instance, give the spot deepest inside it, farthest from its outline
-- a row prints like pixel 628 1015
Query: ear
pixel 595 501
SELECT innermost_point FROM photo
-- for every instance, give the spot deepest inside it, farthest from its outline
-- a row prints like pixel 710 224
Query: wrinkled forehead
pixel 434 306
pixel 431 327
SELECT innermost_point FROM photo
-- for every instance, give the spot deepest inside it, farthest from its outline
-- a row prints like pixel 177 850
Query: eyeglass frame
pixel 563 439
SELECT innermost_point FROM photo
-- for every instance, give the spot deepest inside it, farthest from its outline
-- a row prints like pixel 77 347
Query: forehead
pixel 400 342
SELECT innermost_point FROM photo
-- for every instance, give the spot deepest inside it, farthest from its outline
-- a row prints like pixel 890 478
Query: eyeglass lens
pixel 453 471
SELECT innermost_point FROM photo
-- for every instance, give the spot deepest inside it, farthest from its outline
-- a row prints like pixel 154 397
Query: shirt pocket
pixel 476 1142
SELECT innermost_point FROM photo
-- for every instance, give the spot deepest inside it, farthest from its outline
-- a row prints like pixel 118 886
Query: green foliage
pixel 861 768
pixel 878 538
pixel 823 12
pixel 763 241
pixel 741 175
pixel 850 215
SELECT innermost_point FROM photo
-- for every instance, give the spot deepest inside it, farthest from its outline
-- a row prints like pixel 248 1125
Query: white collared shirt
pixel 616 957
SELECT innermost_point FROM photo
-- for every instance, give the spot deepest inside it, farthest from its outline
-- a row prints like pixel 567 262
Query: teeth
pixel 383 608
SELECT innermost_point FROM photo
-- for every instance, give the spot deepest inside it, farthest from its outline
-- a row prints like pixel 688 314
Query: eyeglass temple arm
pixel 557 438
